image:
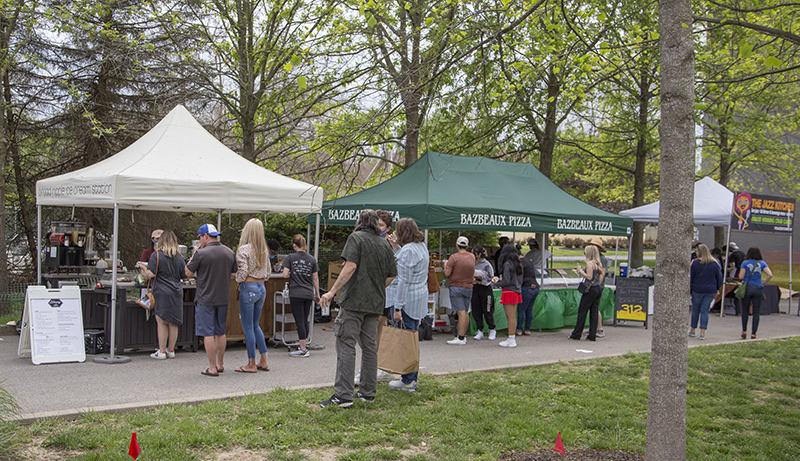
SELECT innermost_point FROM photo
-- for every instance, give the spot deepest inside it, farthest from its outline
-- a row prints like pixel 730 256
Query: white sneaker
pixel 383 376
pixel 458 342
pixel 478 336
pixel 158 355
pixel 510 342
pixel 170 354
pixel 399 385
pixel 492 335
pixel 300 353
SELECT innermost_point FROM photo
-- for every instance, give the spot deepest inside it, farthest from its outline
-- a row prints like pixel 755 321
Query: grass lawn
pixel 742 404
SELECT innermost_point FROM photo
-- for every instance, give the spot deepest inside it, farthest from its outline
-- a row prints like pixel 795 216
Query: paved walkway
pixel 66 389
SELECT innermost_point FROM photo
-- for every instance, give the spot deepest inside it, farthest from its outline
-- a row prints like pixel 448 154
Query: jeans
pixel 525 308
pixel 351 328
pixel 701 304
pixel 251 302
pixel 408 324
pixel 755 295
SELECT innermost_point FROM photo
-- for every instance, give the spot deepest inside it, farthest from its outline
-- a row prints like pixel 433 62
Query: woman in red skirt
pixel 510 270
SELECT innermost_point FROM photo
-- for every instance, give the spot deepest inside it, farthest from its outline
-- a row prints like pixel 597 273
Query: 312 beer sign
pixel 632 312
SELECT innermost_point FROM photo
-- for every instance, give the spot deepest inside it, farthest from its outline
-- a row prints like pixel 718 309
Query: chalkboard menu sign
pixel 631 299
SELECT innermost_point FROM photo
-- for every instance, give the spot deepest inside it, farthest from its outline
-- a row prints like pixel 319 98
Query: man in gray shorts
pixel 460 268
pixel 215 266
pixel 368 269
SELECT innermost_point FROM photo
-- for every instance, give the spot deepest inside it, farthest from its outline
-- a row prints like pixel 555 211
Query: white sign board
pixel 55 321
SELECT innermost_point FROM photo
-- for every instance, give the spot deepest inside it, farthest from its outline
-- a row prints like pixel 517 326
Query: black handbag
pixel 585 285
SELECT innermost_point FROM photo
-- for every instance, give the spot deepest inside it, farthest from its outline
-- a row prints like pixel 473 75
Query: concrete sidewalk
pixel 67 389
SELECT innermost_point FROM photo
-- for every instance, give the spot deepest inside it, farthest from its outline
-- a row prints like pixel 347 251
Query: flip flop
pixel 207 372
pixel 220 369
pixel 242 370
pixel 260 368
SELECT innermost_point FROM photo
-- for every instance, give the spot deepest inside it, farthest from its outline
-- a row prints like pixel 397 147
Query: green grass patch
pixel 743 402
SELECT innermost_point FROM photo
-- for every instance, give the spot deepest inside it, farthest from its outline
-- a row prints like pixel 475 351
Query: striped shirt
pixel 411 294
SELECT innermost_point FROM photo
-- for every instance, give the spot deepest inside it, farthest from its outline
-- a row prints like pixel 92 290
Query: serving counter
pixel 134 330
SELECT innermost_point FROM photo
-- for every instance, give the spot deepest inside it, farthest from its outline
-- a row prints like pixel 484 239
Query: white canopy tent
pixel 176 166
pixel 713 204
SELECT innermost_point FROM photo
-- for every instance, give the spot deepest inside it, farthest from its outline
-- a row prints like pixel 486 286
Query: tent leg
pixel 39 244
pixel 219 223
pixel 111 359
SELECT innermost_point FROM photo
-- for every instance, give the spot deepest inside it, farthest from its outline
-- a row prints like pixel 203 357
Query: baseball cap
pixel 462 241
pixel 209 229
pixel 532 241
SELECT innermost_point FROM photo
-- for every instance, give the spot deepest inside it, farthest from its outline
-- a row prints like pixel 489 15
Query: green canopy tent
pixel 454 192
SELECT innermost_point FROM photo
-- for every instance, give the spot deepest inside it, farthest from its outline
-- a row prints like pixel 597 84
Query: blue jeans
pixel 251 302
pixel 408 324
pixel 525 308
pixel 701 303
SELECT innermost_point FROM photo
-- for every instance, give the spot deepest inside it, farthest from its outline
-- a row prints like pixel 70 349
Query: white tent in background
pixel 713 204
pixel 176 166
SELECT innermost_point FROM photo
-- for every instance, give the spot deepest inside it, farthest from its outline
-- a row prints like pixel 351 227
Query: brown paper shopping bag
pixel 398 351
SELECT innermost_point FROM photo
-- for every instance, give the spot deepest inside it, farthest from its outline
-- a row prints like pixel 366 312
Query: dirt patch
pixel 577 455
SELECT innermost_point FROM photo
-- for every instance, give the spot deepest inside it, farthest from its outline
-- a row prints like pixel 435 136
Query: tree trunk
pixel 639 172
pixel 548 142
pixel 666 415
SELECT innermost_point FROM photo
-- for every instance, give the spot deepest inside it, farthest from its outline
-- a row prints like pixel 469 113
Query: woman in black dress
pixel 166 269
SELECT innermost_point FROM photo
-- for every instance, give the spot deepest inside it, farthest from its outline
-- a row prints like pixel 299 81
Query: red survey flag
pixel 135 450
pixel 559 445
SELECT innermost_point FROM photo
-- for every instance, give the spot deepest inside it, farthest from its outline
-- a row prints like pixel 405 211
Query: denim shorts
pixel 210 320
pixel 460 299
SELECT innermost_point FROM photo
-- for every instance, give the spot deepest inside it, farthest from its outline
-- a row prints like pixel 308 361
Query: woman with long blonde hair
pixel 166 269
pixel 706 278
pixel 253 270
pixel 590 301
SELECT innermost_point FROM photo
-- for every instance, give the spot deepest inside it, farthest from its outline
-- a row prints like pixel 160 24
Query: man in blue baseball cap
pixel 214 264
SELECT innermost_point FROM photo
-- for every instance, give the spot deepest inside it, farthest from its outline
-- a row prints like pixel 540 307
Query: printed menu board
pixel 56 324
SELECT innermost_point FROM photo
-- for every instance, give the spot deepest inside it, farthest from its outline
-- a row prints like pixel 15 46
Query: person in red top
pixel 460 268
pixel 145 257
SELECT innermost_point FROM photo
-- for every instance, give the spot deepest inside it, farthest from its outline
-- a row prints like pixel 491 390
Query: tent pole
pixel 426 237
pixel 219 224
pixel 616 261
pixel 789 308
pixel 39 244
pixel 308 236
pixel 316 240
pixel 111 359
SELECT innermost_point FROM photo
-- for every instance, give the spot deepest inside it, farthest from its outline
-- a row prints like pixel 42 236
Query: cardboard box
pixel 334 269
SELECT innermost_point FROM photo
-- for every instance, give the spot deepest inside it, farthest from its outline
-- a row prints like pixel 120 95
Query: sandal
pixel 208 372
pixel 744 335
pixel 260 368
pixel 526 333
pixel 242 370
pixel 752 336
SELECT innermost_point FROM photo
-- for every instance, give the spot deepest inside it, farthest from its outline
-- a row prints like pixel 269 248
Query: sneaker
pixel 399 385
pixel 478 336
pixel 363 398
pixel 492 335
pixel 170 354
pixel 384 377
pixel 691 334
pixel 358 379
pixel 600 334
pixel 300 353
pixel 158 355
pixel 458 342
pixel 334 400
pixel 702 337
pixel 510 342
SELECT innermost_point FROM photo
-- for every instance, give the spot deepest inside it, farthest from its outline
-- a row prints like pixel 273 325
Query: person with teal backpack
pixel 755 273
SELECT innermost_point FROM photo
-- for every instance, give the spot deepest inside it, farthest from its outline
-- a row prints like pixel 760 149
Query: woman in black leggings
pixel 303 272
